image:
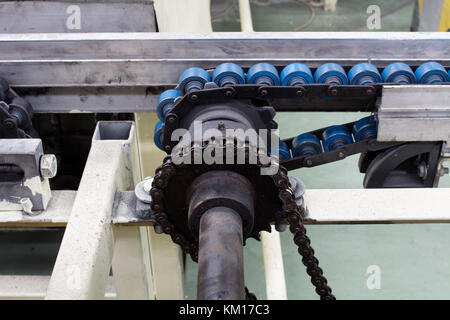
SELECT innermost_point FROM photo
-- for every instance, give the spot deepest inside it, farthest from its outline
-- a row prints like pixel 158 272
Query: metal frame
pixel 123 72
pixel 113 165
pixel 35 287
pixel 78 72
pixel 76 16
pixel 414 113
pixel 85 257
pixel 31 191
pixel 424 206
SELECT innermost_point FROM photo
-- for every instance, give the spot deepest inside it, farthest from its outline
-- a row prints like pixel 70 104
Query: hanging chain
pixel 301 239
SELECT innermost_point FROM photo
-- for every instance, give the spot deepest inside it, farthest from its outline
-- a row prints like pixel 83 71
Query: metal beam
pixel 84 259
pixel 131 266
pixel 124 72
pixel 361 206
pixel 18 287
pixel 273 265
pixel 349 206
pixel 414 113
pixel 76 16
pixel 152 59
pixel 91 99
pixel 56 215
pixel 166 256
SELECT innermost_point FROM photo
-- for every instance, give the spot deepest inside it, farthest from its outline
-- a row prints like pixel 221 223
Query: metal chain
pixel 293 211
pixel 301 239
pixel 309 260
pixel 162 176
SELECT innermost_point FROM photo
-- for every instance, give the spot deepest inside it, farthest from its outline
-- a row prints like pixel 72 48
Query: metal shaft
pixel 220 258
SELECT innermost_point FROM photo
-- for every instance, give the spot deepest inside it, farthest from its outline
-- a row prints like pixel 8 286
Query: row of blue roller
pixel 332 138
pixel 296 74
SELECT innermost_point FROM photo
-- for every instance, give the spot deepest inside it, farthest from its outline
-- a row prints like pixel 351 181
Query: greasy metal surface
pixel 221 189
pixel 90 99
pixel 292 212
pixel 220 257
pixel 170 196
pixel 213 108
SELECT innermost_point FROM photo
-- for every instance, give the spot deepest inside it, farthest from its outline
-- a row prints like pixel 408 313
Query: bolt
pixel 369 91
pixel 27 205
pixel 167 148
pixel 341 155
pixel 194 97
pixel 9 123
pixel 221 126
pixel 158 229
pixel 334 92
pixel 309 162
pixel 229 93
pixel 264 92
pixel 443 171
pixel 422 170
pixel 299 93
pixel 280 226
pixel 171 119
pixel 49 166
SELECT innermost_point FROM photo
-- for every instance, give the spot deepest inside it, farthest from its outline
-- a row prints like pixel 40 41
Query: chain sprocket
pixel 293 213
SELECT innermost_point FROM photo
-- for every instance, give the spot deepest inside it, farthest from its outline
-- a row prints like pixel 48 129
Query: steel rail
pixel 155 59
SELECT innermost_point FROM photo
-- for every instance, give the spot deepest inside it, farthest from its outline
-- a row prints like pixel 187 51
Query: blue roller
pixel 165 102
pixel 331 73
pixel 365 128
pixel 336 137
pixel 306 144
pixel 431 73
pixel 296 74
pixel 398 72
pixel 158 134
pixel 283 151
pixel 193 79
pixel 364 74
pixel 228 74
pixel 263 73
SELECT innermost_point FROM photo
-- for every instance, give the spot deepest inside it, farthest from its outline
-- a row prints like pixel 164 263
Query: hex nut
pixel 27 205
pixel 49 166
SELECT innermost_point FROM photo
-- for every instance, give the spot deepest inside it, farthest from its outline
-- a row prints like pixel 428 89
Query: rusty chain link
pixel 301 239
